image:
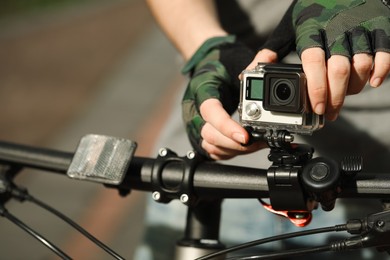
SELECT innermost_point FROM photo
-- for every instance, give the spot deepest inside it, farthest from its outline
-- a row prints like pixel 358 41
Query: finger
pixel 359 40
pixel 220 153
pixel 217 152
pixel 213 137
pixel 314 66
pixel 265 56
pixel 360 72
pixel 339 69
pixel 213 112
pixel 381 68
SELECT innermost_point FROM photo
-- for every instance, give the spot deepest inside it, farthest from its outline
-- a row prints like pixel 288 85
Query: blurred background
pixel 69 68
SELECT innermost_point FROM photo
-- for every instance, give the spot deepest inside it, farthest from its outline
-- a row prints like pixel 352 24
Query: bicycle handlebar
pixel 209 179
pixel 191 179
pixel 34 157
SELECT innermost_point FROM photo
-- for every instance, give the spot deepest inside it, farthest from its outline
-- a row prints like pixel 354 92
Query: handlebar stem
pixel 201 231
pixel 169 185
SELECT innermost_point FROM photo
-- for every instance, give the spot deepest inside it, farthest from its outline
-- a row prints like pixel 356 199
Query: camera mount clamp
pixel 283 176
pixel 297 181
pixel 274 138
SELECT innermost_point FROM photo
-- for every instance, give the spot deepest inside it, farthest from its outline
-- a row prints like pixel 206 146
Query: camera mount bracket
pixel 273 138
pixel 283 176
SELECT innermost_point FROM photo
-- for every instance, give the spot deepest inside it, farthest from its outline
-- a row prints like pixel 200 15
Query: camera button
pixel 253 110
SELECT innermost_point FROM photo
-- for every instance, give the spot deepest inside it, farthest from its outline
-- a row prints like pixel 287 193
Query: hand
pixel 210 128
pixel 212 95
pixel 223 138
pixel 354 36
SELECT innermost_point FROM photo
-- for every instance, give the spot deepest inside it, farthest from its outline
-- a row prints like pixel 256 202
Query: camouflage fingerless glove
pixel 342 27
pixel 214 71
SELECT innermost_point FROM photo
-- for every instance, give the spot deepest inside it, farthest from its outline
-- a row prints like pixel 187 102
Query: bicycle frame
pixel 200 185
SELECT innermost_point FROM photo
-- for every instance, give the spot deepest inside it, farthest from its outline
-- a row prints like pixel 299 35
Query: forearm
pixel 187 23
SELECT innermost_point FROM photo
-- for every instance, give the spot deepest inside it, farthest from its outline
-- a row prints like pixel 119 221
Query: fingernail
pixel 376 82
pixel 319 109
pixel 238 137
pixel 332 117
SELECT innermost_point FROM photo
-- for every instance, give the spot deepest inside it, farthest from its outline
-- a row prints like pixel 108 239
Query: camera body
pixel 274 97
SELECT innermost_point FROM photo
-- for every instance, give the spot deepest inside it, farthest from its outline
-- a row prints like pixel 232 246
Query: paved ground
pixel 94 68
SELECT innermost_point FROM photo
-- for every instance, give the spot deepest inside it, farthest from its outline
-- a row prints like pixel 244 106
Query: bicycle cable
pixel 22 194
pixel 286 253
pixel 4 212
pixel 335 228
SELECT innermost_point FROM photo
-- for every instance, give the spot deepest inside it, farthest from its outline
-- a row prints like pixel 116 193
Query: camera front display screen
pixel 254 88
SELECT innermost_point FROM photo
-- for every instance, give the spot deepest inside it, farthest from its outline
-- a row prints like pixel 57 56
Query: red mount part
pixel 298 218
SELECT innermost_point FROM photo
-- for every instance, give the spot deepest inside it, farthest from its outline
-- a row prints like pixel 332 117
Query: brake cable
pixel 335 228
pixel 9 189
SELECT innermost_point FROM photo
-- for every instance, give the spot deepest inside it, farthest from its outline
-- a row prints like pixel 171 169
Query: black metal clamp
pixel 284 177
pixel 173 184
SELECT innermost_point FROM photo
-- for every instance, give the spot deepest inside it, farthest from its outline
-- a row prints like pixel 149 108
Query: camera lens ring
pixel 283 91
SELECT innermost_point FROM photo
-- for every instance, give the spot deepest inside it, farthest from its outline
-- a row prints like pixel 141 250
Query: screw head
pixel 190 154
pixel 184 198
pixel 289 138
pixel 380 223
pixel 163 152
pixel 156 196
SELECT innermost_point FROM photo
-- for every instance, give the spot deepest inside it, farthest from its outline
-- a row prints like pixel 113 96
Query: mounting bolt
pixel 190 154
pixel 163 152
pixel 156 196
pixel 289 138
pixel 380 223
pixel 184 198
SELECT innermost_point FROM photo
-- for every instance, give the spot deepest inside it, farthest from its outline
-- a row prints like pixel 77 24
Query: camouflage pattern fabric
pixel 214 71
pixel 342 27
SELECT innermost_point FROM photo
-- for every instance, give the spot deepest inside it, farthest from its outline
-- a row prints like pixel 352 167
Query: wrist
pixel 198 39
pixel 204 49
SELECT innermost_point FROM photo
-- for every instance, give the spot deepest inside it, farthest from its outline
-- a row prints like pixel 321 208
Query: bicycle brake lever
pixel 374 231
pixel 378 235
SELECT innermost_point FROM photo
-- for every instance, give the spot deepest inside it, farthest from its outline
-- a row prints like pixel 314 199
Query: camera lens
pixel 283 91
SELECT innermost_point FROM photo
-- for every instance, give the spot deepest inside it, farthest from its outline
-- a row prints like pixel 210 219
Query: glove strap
pixel 354 16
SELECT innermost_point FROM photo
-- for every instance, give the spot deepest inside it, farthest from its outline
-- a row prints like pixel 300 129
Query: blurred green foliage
pixel 11 7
